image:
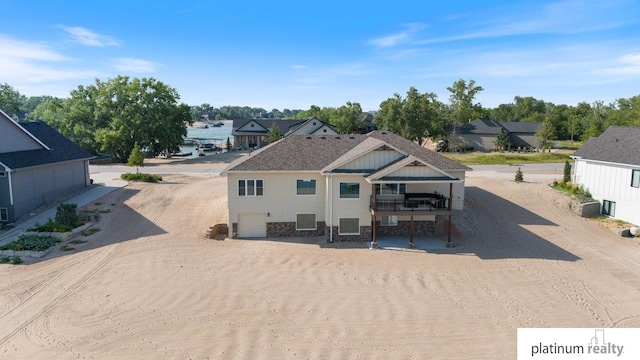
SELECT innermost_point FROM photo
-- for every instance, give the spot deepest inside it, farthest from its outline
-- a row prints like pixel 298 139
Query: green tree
pixel 519 176
pixel 228 145
pixel 274 133
pixel 10 100
pixel 136 158
pixel 567 172
pixel 502 141
pixel 112 116
pixel 461 101
pixel 347 118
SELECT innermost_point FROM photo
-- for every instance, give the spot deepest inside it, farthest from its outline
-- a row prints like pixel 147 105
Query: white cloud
pixel 134 65
pixel 628 64
pixel 18 49
pixel 401 37
pixel 87 37
pixel 298 67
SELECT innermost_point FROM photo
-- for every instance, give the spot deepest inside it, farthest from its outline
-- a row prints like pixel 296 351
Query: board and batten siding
pixel 348 208
pixel 610 182
pixel 372 160
pixel 280 200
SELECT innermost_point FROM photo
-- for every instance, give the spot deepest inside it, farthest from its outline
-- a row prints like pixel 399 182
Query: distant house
pixel 253 133
pixel 38 165
pixel 346 187
pixel 608 166
pixel 481 134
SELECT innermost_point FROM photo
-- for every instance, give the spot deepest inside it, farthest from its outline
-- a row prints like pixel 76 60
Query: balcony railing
pixel 411 202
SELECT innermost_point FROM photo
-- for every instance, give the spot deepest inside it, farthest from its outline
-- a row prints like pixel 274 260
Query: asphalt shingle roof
pixel 617 144
pixel 315 152
pixel 62 149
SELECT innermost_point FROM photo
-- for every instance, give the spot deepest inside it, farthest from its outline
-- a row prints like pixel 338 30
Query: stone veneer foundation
pixel 402 229
pixel 365 235
pixel 288 229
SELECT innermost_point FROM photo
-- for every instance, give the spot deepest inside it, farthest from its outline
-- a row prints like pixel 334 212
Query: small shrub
pixel 519 176
pixel 90 231
pixel 151 178
pixel 97 203
pixel 67 215
pixel 567 172
pixel 16 260
pixel 77 241
pixel 105 211
pixel 34 242
pixel 5 259
pixel 66 248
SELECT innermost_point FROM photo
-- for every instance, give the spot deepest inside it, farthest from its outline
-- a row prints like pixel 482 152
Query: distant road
pixel 549 170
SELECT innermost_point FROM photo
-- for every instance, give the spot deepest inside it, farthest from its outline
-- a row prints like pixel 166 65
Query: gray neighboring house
pixel 608 166
pixel 38 165
pixel 482 133
pixel 253 133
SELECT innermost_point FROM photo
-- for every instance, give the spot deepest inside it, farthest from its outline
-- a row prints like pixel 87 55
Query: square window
pixel 635 178
pixel 4 214
pixel 608 208
pixel 306 187
pixel 306 222
pixel 349 190
pixel 389 221
pixel 349 226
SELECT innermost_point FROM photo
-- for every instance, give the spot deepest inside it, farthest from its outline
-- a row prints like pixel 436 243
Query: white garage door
pixel 252 225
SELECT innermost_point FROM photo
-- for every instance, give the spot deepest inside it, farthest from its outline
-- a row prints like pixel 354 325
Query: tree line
pixel 112 116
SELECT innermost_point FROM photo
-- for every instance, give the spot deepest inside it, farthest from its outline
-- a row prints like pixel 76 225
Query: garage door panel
pixel 252 225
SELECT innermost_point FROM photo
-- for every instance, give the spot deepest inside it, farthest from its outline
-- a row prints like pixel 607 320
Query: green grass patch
pixel 90 231
pixel 582 195
pixel 507 159
pixel 77 241
pixel 151 178
pixel 66 248
pixel 32 242
pixel 569 145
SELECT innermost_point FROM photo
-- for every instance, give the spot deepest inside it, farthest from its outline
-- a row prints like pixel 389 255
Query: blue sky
pixel 293 54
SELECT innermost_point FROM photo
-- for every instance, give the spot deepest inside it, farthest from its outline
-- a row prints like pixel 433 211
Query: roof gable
pixel 14 137
pixel 357 159
pixel 321 153
pixel 409 168
pixel 252 126
pixel 58 149
pixel 617 144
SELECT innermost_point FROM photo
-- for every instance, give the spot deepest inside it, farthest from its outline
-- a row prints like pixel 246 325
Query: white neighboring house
pixel 339 185
pixel 609 168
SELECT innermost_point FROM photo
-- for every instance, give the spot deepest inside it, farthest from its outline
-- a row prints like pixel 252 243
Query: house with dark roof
pixel 344 187
pixel 608 166
pixel 38 165
pixel 253 133
pixel 481 134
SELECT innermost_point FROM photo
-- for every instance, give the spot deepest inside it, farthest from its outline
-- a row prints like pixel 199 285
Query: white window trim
pixel 610 203
pixel 315 189
pixel 349 198
pixel 6 211
pixel 394 223
pixel 379 188
pixel 343 233
pixel 255 187
pixel 315 223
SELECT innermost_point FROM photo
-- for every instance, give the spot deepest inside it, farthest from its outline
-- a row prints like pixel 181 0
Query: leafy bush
pixel 90 231
pixel 67 215
pixel 16 260
pixel 583 195
pixel 5 259
pixel 34 242
pixel 51 226
pixel 151 178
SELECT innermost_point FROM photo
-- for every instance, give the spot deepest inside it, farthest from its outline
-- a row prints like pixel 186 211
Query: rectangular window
pixel 389 221
pixel 4 214
pixel 349 190
pixel 2 173
pixel 250 188
pixel 306 222
pixel 608 208
pixel 349 226
pixel 635 178
pixel 391 189
pixel 305 187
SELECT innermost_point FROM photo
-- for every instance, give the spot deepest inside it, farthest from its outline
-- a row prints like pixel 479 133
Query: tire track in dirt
pixel 60 288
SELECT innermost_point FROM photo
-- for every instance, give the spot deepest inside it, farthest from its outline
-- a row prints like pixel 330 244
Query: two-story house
pixel 345 187
pixel 253 133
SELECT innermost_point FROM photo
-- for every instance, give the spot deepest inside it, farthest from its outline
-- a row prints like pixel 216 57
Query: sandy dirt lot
pixel 150 285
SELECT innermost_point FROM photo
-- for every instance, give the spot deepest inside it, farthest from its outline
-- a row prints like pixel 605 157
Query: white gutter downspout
pixel 10 187
pixel 331 208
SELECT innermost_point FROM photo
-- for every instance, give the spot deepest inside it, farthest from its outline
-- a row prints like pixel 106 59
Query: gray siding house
pixel 482 133
pixel 38 165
